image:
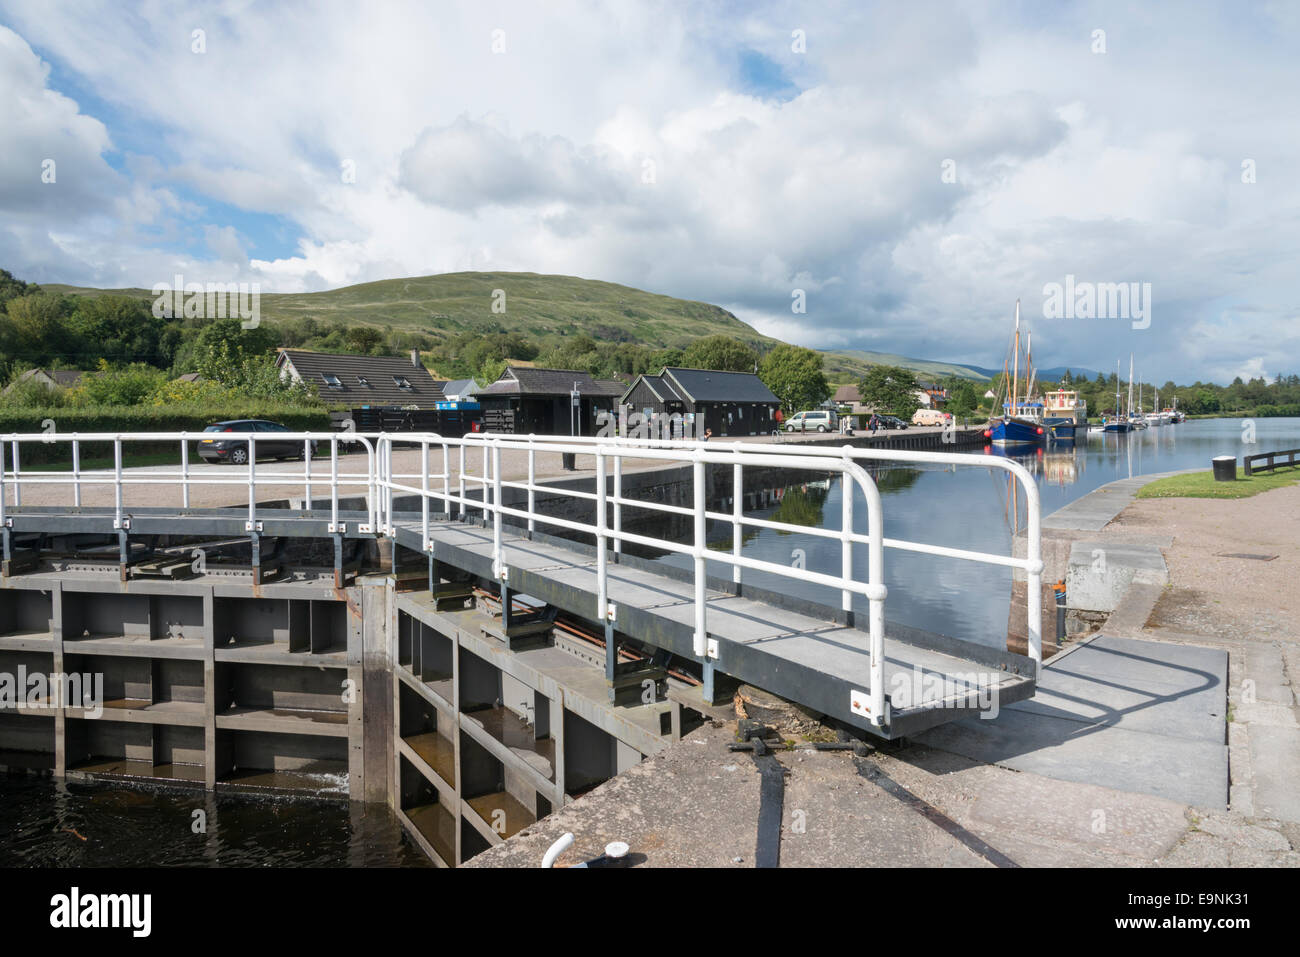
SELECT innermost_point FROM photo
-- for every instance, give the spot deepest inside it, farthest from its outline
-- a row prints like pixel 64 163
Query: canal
pixel 975 509
pixel 49 823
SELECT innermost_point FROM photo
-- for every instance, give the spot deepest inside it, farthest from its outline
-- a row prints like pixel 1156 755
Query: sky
pixel 903 171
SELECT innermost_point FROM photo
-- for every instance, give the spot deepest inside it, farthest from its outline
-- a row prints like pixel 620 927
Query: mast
pixel 1130 385
pixel 1117 388
pixel 1015 366
pixel 1029 366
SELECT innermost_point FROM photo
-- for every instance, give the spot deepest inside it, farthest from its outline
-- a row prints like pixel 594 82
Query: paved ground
pixel 1148 717
pixel 697 803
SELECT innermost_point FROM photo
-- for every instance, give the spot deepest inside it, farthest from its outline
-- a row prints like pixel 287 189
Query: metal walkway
pixel 820 664
pixel 890 680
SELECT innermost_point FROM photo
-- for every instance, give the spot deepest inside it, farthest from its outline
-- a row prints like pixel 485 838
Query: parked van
pixel 822 420
pixel 931 417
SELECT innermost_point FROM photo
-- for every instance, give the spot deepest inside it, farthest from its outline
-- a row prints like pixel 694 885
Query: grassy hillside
pixel 542 308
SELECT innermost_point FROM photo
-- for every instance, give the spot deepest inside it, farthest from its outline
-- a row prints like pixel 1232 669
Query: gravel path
pixel 1213 593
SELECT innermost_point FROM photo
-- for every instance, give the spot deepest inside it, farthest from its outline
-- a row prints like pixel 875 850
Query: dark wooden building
pixel 728 403
pixel 527 400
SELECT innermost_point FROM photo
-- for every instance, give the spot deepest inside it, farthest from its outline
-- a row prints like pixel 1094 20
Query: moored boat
pixel 1021 422
pixel 1063 414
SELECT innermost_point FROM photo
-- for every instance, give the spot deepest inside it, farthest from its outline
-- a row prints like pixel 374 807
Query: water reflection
pixel 969 508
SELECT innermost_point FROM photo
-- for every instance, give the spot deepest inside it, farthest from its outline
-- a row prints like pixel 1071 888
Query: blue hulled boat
pixel 1021 422
pixel 1011 430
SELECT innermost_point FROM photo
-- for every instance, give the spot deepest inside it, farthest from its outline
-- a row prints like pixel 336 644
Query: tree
pixel 222 346
pixel 490 371
pixel 963 400
pixel 12 287
pixel 114 328
pixel 38 328
pixel 720 354
pixel 891 389
pixel 364 338
pixel 124 385
pixel 795 375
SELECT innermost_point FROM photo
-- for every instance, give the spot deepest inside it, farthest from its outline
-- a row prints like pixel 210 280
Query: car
pixel 891 422
pixel 820 420
pixel 931 417
pixel 235 451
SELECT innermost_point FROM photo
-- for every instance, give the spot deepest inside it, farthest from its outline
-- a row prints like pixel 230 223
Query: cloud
pixel 51 164
pixel 467 165
pixel 689 150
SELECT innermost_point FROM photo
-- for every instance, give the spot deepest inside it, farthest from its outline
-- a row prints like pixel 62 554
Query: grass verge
pixel 1203 485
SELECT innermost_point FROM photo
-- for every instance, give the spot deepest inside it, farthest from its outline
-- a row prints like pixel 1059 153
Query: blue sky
pixel 913 169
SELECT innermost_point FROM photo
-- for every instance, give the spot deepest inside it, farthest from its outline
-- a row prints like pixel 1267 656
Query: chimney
pixel 415 358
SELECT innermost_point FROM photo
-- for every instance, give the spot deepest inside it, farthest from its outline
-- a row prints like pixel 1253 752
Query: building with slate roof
pixel 382 382
pixel 50 378
pixel 728 403
pixel 526 399
pixel 459 389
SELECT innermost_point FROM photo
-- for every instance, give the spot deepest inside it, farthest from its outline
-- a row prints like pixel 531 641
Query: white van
pixel 931 417
pixel 821 420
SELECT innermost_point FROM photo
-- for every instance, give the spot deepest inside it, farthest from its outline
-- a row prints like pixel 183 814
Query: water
pixel 975 509
pixel 47 823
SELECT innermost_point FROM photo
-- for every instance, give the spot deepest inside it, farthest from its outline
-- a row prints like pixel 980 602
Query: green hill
pixel 540 307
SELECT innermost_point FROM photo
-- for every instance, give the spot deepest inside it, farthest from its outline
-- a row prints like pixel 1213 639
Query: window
pixel 362 380
pixel 332 380
pixel 402 381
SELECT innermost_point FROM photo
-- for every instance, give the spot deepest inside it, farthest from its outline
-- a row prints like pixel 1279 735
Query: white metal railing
pixel 380 481
pixel 1031 564
pixel 183 478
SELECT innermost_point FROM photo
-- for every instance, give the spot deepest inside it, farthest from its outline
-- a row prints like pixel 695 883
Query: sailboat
pixel 1021 422
pixel 1120 422
pixel 1139 419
